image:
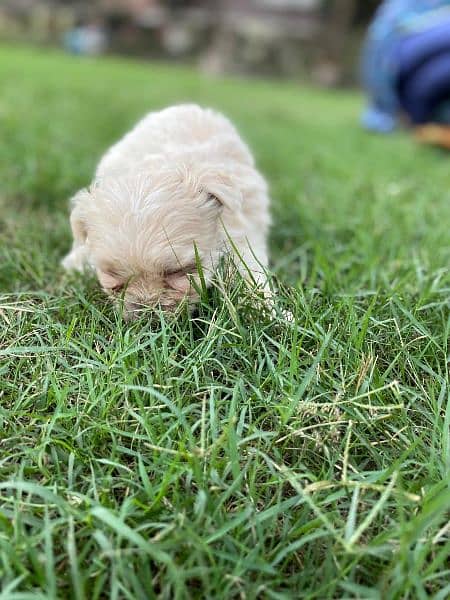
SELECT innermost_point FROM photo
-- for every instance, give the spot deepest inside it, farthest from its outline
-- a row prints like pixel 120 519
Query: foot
pixel 434 134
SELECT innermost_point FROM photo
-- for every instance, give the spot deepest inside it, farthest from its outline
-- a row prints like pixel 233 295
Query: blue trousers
pixel 423 82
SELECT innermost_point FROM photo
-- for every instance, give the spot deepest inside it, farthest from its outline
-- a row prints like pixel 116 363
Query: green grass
pixel 225 456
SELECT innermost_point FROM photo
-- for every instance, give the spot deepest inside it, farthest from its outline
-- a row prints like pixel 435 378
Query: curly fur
pixel 181 182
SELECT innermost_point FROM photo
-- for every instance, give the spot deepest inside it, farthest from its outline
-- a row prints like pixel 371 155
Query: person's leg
pixel 426 88
pixel 423 79
pixel 414 49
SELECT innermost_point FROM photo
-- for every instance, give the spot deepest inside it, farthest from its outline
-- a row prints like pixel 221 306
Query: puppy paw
pixel 287 316
pixel 282 316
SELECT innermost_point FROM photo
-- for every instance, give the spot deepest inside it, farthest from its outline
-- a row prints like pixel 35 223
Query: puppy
pixel 181 187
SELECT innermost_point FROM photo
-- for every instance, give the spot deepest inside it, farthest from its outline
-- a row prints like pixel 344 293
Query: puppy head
pixel 144 235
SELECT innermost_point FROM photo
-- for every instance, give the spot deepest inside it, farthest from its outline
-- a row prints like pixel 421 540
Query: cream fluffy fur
pixel 181 179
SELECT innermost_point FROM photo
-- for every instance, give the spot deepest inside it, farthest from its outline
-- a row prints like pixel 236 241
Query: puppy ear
pixel 78 216
pixel 220 185
pixel 221 188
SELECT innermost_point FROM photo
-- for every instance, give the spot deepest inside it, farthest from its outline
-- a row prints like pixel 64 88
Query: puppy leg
pixel 256 275
pixel 76 260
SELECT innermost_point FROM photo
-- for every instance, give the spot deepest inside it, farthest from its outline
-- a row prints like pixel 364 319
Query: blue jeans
pixel 423 82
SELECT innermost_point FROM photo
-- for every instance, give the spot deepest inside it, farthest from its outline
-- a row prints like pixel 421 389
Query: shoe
pixel 436 135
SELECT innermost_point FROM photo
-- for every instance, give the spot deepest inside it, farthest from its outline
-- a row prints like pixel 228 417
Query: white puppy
pixel 180 187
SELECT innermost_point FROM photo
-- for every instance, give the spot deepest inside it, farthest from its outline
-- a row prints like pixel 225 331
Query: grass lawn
pixel 225 456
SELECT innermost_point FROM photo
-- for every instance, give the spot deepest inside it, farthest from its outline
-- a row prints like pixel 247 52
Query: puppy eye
pixel 181 272
pixel 110 280
pixel 174 274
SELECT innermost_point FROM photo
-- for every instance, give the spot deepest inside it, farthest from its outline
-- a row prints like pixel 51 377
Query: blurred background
pixel 317 40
